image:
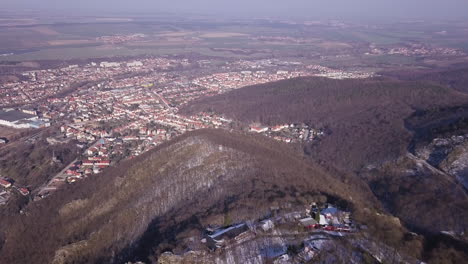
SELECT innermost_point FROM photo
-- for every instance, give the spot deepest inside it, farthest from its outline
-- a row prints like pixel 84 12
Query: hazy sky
pixel 406 9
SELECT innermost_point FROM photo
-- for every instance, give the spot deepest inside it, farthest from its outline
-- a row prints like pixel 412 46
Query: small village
pixel 282 237
pixel 288 133
pixel 415 49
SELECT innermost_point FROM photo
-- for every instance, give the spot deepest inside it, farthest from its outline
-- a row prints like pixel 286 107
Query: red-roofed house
pixel 23 191
pixel 5 183
pixel 103 163
pixel 258 129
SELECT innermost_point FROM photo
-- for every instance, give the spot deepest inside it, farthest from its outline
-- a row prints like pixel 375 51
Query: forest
pixel 365 117
pixel 371 127
pixel 136 210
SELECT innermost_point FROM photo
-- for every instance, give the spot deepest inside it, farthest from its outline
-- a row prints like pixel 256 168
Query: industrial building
pixel 19 119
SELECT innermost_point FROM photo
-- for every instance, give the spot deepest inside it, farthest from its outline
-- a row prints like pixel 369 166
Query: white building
pixel 106 64
pixel 135 64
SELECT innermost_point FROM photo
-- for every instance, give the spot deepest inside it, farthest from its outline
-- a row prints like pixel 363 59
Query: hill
pixel 456 77
pixel 364 117
pixel 27 162
pixel 137 209
pixel 372 129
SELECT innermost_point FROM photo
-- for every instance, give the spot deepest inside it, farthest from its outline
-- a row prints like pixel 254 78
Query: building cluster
pixel 289 133
pixel 311 231
pixel 423 51
pixel 314 218
pixel 40 84
pixel 322 71
pixel 7 186
pixel 22 119
pixel 222 82
pixel 135 124
pixel 118 39
pixel 415 50
pixel 267 64
pixel 283 39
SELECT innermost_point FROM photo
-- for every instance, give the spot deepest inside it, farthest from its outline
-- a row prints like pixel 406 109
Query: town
pixel 199 77
pixel 119 110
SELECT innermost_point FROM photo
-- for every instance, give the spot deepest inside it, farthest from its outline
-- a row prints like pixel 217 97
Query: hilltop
pixel 136 209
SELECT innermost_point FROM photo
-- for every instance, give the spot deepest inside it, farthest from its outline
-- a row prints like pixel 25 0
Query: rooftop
pixel 14 115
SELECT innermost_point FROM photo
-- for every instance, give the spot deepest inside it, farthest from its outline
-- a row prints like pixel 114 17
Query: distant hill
pixel 456 78
pixel 365 118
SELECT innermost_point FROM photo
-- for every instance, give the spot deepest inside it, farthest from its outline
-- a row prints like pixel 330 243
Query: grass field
pixel 222 35
pixel 66 42
pixel 45 30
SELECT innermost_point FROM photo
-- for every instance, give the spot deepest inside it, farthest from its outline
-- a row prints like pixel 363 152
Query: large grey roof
pixel 13 116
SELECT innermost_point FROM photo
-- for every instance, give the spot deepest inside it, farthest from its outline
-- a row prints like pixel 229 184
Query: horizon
pixel 296 9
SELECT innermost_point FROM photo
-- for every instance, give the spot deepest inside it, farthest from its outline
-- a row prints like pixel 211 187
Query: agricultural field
pixel 332 44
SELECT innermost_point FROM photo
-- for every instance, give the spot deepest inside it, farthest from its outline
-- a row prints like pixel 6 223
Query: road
pixel 162 99
pixel 45 186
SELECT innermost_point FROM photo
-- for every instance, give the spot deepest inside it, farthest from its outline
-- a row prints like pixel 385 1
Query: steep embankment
pixel 139 206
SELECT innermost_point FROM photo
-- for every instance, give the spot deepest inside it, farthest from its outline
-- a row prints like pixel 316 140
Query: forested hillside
pixel 456 78
pixel 364 117
pixel 136 209
pixel 372 127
